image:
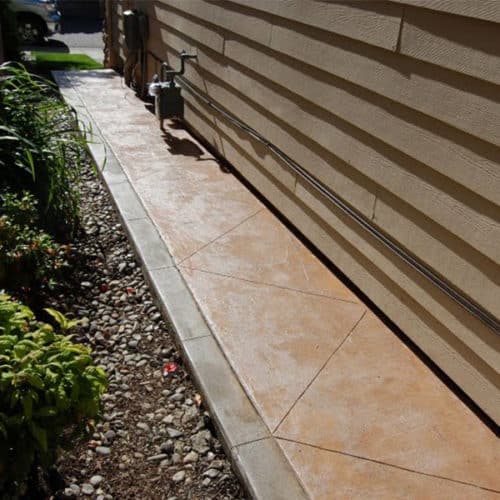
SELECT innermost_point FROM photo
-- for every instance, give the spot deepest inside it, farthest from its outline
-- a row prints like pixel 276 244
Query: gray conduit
pixel 469 305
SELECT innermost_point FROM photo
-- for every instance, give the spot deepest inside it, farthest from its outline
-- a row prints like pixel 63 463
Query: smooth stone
pixel 75 488
pixel 179 476
pixel 143 426
pixel 110 435
pixel 211 473
pixel 156 458
pixel 191 457
pixel 173 433
pixel 95 480
pixel 87 489
pixel 103 450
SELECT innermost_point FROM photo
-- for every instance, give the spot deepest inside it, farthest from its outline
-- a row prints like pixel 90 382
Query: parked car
pixel 36 19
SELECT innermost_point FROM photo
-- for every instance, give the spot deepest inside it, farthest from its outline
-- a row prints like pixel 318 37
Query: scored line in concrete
pixel 258 460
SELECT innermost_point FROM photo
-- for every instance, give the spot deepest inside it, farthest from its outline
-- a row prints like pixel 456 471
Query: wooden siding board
pixel 165 38
pixel 373 22
pixel 488 10
pixel 197 31
pixel 459 156
pixel 251 27
pixel 457 261
pixel 426 88
pixel 460 44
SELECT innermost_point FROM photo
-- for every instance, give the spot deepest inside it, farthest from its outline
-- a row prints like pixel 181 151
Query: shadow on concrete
pixel 184 147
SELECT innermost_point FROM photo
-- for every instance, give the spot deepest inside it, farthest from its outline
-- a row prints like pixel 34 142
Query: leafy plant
pixel 30 259
pixel 41 148
pixel 47 382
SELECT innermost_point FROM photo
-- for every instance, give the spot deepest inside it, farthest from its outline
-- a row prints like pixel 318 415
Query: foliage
pixel 30 259
pixel 47 382
pixel 41 149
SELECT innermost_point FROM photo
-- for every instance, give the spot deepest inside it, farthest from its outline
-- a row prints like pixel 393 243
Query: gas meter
pixel 167 93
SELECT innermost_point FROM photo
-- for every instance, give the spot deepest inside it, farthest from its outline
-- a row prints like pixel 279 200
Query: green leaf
pixel 61 320
pixel 34 380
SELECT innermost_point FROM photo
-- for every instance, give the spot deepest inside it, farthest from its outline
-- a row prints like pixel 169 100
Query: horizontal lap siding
pixel 454 42
pixel 488 10
pixel 376 23
pixel 392 107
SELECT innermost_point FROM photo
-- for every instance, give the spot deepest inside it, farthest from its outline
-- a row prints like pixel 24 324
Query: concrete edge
pixel 256 457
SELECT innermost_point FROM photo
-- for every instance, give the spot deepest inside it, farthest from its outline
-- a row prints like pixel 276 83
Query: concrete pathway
pixel 325 383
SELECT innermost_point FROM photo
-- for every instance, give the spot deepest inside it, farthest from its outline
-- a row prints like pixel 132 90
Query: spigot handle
pixel 168 74
pixel 184 55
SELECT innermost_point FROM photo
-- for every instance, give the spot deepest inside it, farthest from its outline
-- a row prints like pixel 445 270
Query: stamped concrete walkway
pixel 354 411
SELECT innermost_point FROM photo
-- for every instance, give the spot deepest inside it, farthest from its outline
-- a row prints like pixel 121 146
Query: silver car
pixel 36 19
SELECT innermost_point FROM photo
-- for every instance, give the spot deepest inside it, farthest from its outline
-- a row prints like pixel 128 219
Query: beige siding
pixel 394 107
pixel 489 10
pixel 429 89
pixel 376 23
pixel 458 43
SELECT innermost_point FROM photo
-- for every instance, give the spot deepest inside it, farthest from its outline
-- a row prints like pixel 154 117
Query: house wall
pixel 395 107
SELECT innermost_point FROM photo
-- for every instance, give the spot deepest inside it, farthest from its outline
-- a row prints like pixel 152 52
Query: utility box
pixel 167 93
pixel 169 102
pixel 135 27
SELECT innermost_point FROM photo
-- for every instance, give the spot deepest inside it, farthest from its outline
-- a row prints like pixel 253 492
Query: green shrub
pixel 46 384
pixel 30 260
pixel 41 148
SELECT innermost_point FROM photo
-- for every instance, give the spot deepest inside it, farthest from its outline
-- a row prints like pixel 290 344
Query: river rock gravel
pixel 155 440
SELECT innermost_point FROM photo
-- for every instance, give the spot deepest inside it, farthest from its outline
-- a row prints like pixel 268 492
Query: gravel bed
pixel 156 441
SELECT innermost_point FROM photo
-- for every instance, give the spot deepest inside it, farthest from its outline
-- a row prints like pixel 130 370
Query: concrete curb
pixel 265 472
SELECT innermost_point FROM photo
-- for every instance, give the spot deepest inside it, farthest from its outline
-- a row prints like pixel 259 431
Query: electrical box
pixel 135 27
